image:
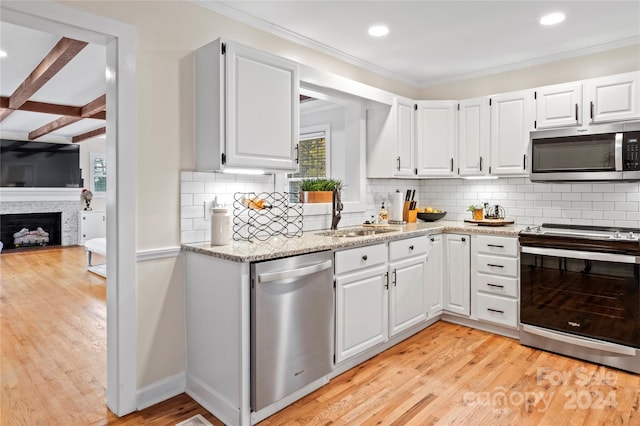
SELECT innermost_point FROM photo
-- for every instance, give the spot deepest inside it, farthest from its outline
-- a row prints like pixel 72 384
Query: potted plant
pixel 318 190
pixel 477 211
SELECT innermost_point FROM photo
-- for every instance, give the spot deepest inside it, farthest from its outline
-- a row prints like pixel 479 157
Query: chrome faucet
pixel 336 208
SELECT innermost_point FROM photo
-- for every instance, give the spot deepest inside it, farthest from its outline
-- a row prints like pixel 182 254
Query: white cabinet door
pixel 407 294
pixel 511 122
pixel 435 276
pixel 435 138
pixel 91 224
pixel 614 98
pixel 361 311
pixel 457 271
pixel 404 138
pixel 247 104
pixel 473 137
pixel 559 105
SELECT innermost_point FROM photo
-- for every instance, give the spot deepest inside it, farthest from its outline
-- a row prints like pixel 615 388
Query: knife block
pixel 409 216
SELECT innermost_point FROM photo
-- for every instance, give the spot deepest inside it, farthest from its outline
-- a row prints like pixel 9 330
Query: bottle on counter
pixel 383 215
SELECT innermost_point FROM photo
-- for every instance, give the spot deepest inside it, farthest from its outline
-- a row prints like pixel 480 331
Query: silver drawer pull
pixel 495 245
pixel 497 311
pixel 494 265
pixel 495 285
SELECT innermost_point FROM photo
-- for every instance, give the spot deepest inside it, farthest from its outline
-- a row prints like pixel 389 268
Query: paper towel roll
pixel 397 203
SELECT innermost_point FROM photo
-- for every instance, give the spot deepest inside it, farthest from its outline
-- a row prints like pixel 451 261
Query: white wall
pixel 99 202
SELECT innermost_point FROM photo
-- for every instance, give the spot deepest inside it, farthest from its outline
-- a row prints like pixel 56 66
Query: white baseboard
pixel 161 390
pixel 212 401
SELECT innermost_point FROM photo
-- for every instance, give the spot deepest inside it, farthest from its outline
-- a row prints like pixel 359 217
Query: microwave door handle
pixel 618 151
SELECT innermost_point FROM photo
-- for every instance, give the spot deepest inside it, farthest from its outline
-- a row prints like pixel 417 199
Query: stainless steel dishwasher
pixel 292 325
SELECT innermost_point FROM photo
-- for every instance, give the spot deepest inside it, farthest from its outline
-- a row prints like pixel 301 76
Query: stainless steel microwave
pixel 600 153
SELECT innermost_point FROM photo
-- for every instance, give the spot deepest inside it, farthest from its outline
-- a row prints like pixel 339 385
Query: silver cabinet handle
pixel 495 245
pixel 386 283
pixel 294 273
pixel 494 265
pixel 480 163
pixel 395 278
pixel 398 160
pixel 452 165
pixel 577 112
pixel 495 285
pixel 497 311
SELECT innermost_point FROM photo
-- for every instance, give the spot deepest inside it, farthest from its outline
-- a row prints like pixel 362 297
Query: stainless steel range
pixel 579 289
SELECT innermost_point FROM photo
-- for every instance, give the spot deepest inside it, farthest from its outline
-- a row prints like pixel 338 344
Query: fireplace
pixel 42 229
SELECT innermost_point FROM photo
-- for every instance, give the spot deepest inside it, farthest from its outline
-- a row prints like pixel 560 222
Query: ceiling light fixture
pixel 378 31
pixel 3 54
pixel 552 18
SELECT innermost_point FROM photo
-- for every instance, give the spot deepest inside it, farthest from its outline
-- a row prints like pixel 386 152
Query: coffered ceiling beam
pixel 90 134
pixel 90 110
pixel 47 108
pixel 63 52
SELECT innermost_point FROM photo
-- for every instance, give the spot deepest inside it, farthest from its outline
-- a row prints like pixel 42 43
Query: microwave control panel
pixel 631 151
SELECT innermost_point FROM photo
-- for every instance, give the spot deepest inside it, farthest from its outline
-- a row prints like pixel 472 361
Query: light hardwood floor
pixel 53 369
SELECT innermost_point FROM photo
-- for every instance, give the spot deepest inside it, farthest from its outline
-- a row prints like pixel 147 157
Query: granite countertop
pixel 243 251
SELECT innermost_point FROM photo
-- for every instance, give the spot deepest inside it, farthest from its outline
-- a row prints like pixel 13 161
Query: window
pixel 313 158
pixel 98 173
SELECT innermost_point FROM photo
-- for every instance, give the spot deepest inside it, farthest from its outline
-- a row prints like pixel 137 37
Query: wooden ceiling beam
pixel 47 108
pixel 90 134
pixel 61 54
pixel 89 110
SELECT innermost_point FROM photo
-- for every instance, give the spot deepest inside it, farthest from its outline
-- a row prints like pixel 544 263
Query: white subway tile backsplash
pixel 592 196
pixel 186 199
pixel 627 187
pixel 615 215
pixel 614 196
pixel 603 187
pixel 626 206
pixel 571 196
pixel 191 212
pixel 581 187
pixel 633 196
pixel 187 187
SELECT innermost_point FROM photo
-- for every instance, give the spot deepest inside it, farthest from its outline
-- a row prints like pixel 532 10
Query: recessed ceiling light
pixel 552 18
pixel 378 31
pixel 3 54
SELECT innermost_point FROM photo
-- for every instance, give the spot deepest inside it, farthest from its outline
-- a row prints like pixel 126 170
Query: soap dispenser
pixel 383 215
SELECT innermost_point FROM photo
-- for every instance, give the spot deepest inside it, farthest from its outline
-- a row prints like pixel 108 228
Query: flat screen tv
pixel 39 164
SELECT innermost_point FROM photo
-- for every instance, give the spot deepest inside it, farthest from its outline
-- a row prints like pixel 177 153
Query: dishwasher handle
pixel 294 273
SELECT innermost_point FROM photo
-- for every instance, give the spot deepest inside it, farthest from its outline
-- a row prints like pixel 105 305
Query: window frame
pixel 314 132
pixel 93 156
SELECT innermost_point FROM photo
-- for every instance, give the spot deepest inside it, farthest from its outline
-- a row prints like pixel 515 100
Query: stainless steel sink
pixel 355 232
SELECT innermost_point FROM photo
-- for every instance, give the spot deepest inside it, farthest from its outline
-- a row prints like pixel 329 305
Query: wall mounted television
pixel 31 164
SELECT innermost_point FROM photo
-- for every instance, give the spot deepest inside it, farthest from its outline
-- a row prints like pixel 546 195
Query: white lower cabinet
pixel 494 280
pixel 407 278
pixel 362 299
pixel 91 224
pixel 457 286
pixel 434 275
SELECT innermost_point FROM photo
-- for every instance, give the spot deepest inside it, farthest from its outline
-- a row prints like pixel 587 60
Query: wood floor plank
pixel 53 368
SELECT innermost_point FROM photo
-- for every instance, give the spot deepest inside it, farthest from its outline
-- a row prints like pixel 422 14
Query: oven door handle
pixel 587 343
pixel 577 254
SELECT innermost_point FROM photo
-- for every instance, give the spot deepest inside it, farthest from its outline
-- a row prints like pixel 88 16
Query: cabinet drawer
pixel 502 246
pixel 407 248
pixel 498 310
pixel 502 286
pixel 361 257
pixel 496 265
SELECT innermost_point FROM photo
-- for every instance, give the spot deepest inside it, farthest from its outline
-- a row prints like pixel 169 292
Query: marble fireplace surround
pixel 46 200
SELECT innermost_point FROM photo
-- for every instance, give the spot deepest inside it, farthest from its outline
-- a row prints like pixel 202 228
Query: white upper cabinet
pixel 405 137
pixel 436 138
pixel 391 140
pixel 473 137
pixel 511 122
pixel 559 105
pixel 246 108
pixel 614 98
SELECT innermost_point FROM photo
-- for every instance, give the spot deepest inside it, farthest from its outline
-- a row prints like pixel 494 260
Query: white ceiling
pixel 79 82
pixel 437 41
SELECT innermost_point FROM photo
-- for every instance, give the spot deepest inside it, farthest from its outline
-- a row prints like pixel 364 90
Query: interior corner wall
pixel 600 64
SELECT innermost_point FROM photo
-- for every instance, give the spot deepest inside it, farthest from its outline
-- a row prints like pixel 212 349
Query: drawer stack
pixel 494 277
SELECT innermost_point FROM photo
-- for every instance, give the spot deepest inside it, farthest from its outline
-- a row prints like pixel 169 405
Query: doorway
pixel 119 40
